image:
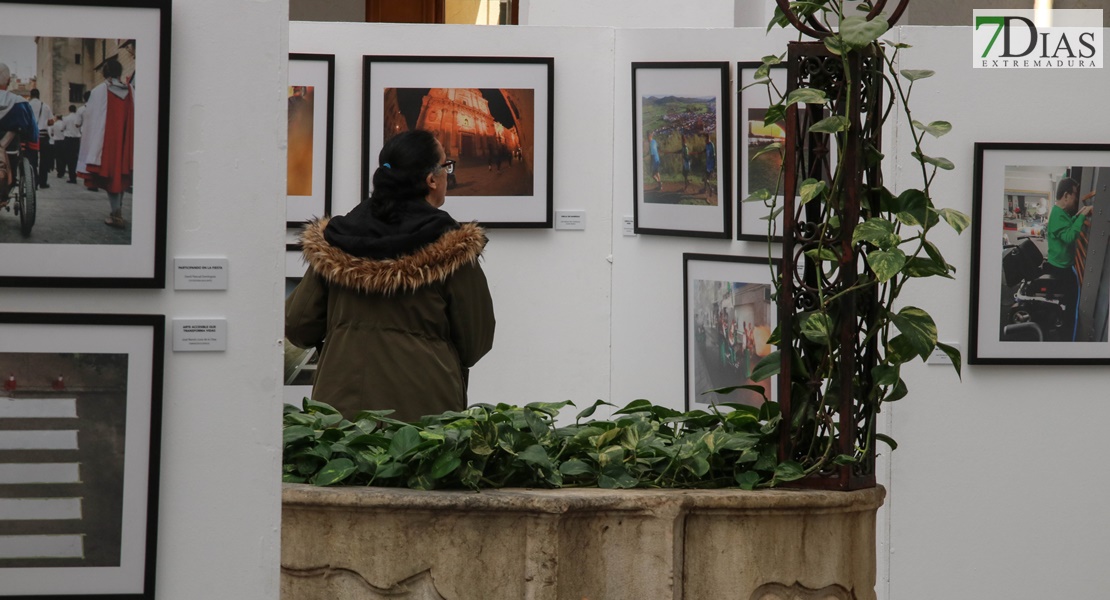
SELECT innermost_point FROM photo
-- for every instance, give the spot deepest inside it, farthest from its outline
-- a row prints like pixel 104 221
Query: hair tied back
pixel 386 165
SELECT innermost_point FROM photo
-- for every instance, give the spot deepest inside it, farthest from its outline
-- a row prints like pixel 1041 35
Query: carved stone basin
pixel 577 544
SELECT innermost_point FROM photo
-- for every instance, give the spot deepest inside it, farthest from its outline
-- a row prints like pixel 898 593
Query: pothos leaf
pixel 886 439
pixel 810 189
pixel 858 32
pixel 915 74
pixel 767 367
pixel 817 327
pixel 935 129
pixel 877 232
pixel 833 124
pixel 772 147
pixel 335 471
pixel 805 95
pixel 954 356
pixel 956 219
pixel 886 263
pixel 760 195
pixel 919 329
pixel 789 471
pixel 938 161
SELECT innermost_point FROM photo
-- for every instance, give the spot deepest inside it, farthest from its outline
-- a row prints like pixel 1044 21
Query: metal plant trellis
pixel 823 418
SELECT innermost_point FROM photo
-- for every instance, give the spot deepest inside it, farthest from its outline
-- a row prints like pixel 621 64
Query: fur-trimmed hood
pixel 432 263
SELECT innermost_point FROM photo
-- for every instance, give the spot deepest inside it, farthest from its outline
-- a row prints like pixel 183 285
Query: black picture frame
pixel 520 90
pixel 80 438
pixel 316 72
pixel 68 243
pixel 1020 311
pixel 751 223
pixel 682 102
pixel 722 337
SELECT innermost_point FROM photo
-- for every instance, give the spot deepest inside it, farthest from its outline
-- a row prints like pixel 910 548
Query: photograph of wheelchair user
pixel 1051 214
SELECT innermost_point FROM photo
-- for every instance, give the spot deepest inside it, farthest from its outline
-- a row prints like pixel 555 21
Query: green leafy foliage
pixel 805 95
pixel 935 129
pixel 486 446
pixel 857 32
pixel 833 124
pixel 860 243
pixel 940 161
pixel 915 74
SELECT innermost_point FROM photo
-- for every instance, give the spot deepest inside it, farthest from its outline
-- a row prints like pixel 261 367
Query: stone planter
pixel 577 544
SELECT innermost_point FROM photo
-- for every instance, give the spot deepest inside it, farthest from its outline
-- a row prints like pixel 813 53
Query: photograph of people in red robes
pixel 81 94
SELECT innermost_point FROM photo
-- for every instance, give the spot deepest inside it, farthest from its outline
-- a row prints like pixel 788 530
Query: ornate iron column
pixel 826 391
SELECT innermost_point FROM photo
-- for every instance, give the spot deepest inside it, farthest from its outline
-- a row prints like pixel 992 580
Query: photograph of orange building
pixel 299 157
pixel 489 132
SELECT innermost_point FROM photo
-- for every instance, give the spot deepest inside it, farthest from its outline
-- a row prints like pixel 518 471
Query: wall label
pixel 570 219
pixel 199 335
pixel 200 273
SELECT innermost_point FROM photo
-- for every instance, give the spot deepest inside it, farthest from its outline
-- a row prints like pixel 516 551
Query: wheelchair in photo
pixel 20 195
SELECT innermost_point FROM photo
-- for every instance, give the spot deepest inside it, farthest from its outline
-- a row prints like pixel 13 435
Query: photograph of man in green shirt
pixel 1065 222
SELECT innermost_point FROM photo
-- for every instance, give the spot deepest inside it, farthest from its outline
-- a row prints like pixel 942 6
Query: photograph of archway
pixel 481 129
pixel 494 118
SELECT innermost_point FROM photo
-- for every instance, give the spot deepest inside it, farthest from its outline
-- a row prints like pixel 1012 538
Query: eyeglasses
pixel 449 165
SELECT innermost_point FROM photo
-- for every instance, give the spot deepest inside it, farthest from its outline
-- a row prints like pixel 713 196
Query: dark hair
pixel 403 167
pixel 34 92
pixel 1066 185
pixel 112 69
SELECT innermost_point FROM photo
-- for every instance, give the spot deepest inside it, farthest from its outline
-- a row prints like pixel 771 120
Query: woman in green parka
pixel 394 297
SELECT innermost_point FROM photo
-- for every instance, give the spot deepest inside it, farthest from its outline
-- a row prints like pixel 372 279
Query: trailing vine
pixel 888 245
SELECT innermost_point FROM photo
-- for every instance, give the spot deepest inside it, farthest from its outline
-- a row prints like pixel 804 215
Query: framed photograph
pixel 80 414
pixel 729 316
pixel 494 117
pixel 88 208
pixel 308 174
pixel 759 153
pixel 681 137
pixel 1040 268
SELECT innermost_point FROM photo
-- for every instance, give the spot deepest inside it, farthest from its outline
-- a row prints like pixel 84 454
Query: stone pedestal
pixel 577 544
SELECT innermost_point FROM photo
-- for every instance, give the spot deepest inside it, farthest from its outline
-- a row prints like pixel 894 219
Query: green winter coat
pixel 395 333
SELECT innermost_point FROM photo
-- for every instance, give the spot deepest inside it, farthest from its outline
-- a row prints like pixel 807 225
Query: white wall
pixel 628 13
pixel 220 502
pixel 219 495
pixel 997 486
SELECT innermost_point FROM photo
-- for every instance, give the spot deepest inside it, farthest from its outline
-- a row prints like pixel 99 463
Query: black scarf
pixel 413 225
